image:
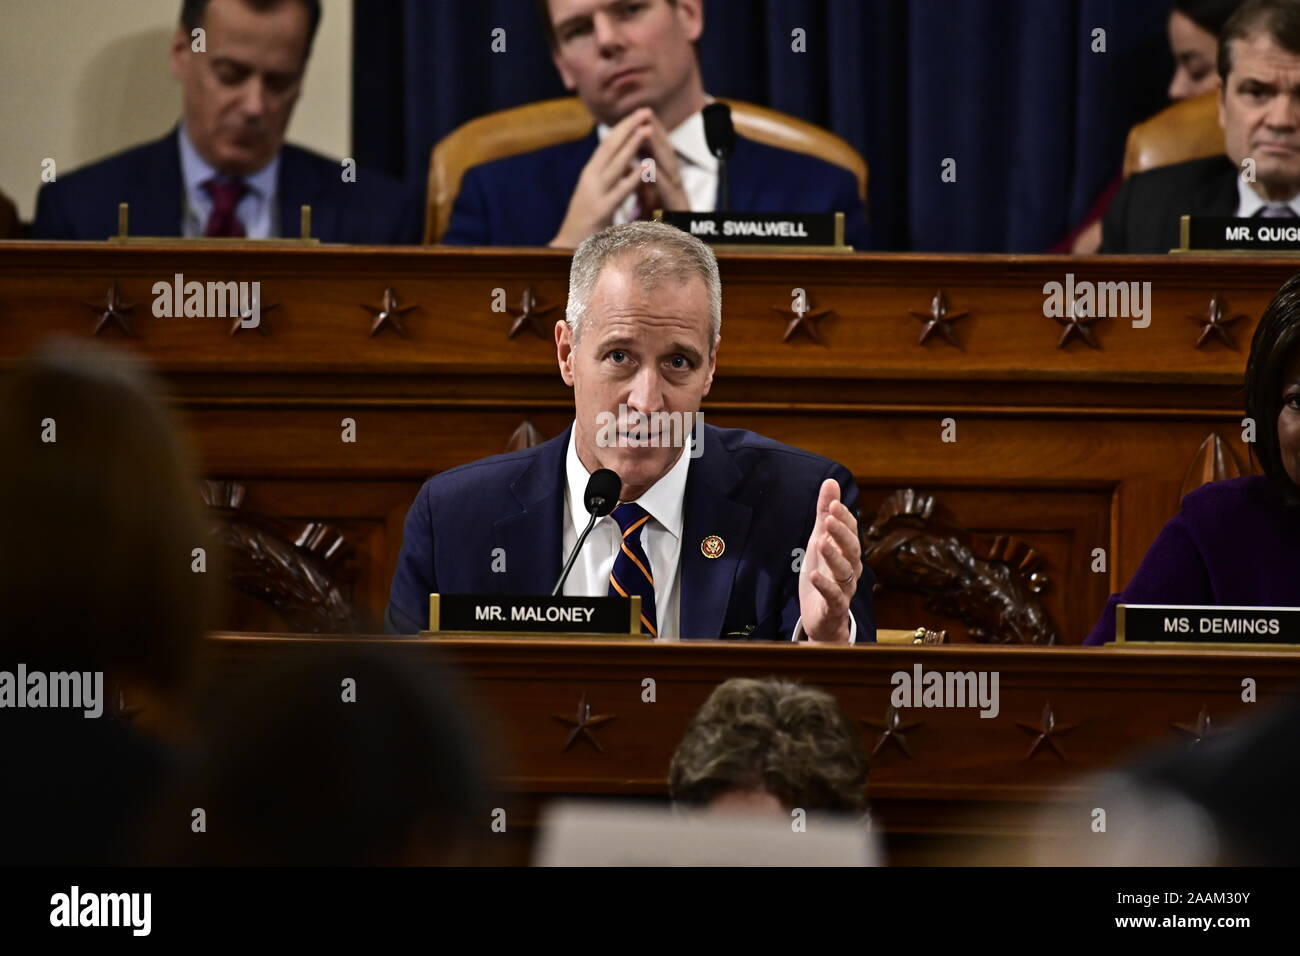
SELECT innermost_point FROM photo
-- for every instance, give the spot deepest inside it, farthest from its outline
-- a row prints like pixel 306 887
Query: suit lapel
pixel 532 536
pixel 709 510
pixel 156 196
pixel 299 183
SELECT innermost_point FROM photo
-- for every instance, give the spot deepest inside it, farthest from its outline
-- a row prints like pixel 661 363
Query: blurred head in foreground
pixel 1226 799
pixel 341 758
pixel 99 516
pixel 769 747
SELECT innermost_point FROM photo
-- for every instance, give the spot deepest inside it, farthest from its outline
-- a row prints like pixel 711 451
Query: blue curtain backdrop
pixel 1010 89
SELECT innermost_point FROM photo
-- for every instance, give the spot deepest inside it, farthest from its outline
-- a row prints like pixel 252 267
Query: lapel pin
pixel 713 546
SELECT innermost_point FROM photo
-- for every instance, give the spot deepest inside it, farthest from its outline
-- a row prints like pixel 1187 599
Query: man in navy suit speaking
pixel 633 64
pixel 225 170
pixel 732 535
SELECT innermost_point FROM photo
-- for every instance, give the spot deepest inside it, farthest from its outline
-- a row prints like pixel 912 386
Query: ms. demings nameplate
pixel 501 613
pixel 1281 235
pixel 1200 625
pixel 814 231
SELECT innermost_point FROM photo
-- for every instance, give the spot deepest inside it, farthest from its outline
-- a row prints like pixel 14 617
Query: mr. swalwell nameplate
pixel 1200 625
pixel 539 613
pixel 816 231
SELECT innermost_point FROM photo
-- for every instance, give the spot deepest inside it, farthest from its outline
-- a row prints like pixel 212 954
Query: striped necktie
pixel 631 572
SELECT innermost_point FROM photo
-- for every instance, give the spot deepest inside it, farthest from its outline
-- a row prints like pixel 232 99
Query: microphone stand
pixel 724 184
pixel 573 556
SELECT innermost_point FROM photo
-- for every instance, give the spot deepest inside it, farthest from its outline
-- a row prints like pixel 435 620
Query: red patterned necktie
pixel 631 572
pixel 225 194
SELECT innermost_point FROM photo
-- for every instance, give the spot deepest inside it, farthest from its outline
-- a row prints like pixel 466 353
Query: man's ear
pixel 564 346
pixel 713 365
pixel 566 77
pixel 690 14
pixel 180 52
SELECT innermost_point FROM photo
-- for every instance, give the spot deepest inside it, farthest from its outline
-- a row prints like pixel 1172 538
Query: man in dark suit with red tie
pixel 738 537
pixel 226 170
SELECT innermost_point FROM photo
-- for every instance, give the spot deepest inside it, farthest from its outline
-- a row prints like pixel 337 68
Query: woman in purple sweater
pixel 1237 542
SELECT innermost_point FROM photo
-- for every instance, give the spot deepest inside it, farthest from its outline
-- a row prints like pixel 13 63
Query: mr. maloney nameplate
pixel 503 613
pixel 1200 625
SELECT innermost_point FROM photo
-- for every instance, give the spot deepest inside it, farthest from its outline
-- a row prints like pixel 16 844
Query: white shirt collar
pixel 1250 202
pixel 663 501
pixel 688 140
pixel 195 170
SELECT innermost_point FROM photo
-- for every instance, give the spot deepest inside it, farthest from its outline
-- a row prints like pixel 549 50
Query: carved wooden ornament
pixel 582 722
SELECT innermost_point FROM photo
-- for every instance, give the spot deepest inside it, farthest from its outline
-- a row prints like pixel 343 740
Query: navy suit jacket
pixel 374 210
pixel 757 495
pixel 521 200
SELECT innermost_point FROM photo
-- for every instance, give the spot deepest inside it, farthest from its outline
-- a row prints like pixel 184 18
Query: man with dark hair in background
pixel 226 170
pixel 1259 110
pixel 634 66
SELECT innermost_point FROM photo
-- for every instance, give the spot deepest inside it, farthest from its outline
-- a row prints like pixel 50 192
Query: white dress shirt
pixel 661 537
pixel 698 168
pixel 258 210
pixel 1250 202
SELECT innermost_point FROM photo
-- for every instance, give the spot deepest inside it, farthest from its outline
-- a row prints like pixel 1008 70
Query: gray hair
pixel 660 252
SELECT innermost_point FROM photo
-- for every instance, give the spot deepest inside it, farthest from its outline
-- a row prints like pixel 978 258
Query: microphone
pixel 720 134
pixel 601 497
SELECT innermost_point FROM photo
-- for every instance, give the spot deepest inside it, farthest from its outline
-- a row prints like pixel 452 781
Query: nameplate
pixel 806 231
pixel 1258 234
pixel 535 613
pixel 1169 625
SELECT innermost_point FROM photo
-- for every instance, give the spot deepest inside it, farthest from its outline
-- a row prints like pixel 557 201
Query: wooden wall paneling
pixel 1034 421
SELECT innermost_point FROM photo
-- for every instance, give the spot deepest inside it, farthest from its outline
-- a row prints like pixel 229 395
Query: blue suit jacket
pixel 83 204
pixel 756 494
pixel 521 200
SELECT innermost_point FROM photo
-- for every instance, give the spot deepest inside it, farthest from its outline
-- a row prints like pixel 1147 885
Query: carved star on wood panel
pixel 939 320
pixel 1076 325
pixel 1046 731
pixel 1215 323
pixel 802 318
pixel 389 314
pixel 893 730
pixel 238 323
pixel 529 316
pixel 113 309
pixel 1200 731
pixel 582 723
